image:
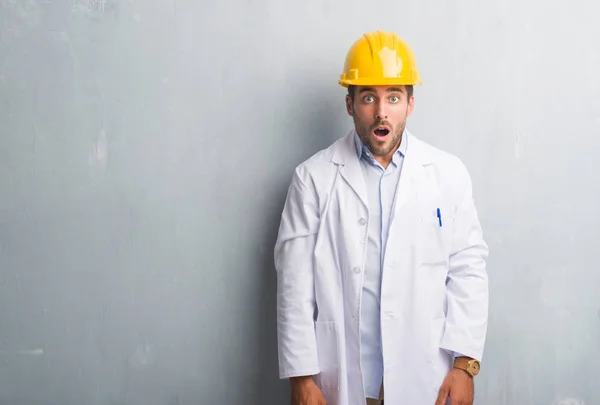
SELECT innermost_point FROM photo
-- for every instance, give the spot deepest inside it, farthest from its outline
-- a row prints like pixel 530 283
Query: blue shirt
pixel 381 189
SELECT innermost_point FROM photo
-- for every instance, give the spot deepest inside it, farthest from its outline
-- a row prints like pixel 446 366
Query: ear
pixel 349 105
pixel 411 105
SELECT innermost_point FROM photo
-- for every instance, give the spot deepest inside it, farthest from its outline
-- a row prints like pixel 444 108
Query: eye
pixel 368 99
pixel 394 99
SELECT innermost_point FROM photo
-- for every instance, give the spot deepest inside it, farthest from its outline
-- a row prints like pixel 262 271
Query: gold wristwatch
pixel 471 366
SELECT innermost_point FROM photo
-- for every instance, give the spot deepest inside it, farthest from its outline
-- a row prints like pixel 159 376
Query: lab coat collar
pixel 416 157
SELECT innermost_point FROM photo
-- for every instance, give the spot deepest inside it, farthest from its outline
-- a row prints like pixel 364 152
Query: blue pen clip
pixel 439 215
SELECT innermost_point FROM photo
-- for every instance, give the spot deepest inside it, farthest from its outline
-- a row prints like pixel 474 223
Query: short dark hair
pixel 409 91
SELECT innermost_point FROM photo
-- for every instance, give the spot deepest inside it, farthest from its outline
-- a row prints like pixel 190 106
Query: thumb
pixel 442 396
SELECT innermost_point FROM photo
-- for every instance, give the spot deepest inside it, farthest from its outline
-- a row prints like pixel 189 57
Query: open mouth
pixel 381 132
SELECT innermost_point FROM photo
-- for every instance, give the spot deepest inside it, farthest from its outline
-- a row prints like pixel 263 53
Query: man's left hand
pixel 458 386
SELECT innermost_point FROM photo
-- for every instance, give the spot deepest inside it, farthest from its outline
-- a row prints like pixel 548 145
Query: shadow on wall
pixel 314 125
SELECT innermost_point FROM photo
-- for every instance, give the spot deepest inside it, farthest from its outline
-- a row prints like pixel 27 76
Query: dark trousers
pixel 379 401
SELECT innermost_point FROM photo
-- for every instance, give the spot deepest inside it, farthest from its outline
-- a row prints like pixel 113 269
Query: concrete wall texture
pixel 145 152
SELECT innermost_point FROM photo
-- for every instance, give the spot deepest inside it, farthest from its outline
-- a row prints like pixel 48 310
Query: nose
pixel 381 114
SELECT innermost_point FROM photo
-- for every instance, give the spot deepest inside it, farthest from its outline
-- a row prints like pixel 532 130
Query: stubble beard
pixel 366 136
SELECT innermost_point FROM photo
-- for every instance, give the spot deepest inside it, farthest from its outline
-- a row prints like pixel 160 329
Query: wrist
pixel 461 371
pixel 301 381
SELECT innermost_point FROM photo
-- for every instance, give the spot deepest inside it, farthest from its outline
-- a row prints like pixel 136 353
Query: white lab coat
pixel 434 292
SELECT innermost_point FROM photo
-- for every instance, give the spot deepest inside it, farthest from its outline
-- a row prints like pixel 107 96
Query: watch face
pixel 474 367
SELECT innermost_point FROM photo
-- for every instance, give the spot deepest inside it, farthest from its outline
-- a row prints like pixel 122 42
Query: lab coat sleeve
pixel 467 283
pixel 295 289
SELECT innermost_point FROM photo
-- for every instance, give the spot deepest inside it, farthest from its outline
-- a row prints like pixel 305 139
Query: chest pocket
pixel 435 236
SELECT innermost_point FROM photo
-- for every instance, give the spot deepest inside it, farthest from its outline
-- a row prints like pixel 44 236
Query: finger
pixel 459 401
pixel 442 396
pixel 465 401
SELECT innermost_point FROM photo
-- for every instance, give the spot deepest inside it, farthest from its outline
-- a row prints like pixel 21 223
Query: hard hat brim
pixel 380 82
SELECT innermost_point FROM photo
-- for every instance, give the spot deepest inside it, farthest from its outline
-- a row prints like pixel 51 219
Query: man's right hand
pixel 306 392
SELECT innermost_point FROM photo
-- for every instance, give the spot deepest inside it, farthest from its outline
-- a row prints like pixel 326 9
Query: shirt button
pixel 357 270
pixel 362 221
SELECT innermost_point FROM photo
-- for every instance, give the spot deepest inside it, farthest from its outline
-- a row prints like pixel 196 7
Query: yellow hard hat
pixel 380 58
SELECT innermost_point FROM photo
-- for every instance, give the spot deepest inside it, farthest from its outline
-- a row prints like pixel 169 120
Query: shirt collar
pixel 362 150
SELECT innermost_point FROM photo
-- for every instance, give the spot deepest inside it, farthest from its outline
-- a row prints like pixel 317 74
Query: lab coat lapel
pixel 345 155
pixel 412 172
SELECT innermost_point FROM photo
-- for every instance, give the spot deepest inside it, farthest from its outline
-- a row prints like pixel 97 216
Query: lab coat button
pixel 362 221
pixel 357 270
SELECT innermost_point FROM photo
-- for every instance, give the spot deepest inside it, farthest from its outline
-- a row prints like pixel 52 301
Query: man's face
pixel 380 114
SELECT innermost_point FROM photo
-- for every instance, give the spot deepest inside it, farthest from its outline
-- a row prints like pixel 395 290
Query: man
pixel 382 292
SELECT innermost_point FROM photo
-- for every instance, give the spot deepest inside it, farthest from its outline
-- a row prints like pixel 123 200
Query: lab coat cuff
pixel 289 373
pixel 459 340
pixel 462 353
pixel 453 353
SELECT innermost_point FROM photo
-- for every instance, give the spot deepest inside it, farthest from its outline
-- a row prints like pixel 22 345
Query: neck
pixel 384 160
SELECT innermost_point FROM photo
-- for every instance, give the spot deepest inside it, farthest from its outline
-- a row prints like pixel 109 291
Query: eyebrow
pixel 390 89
